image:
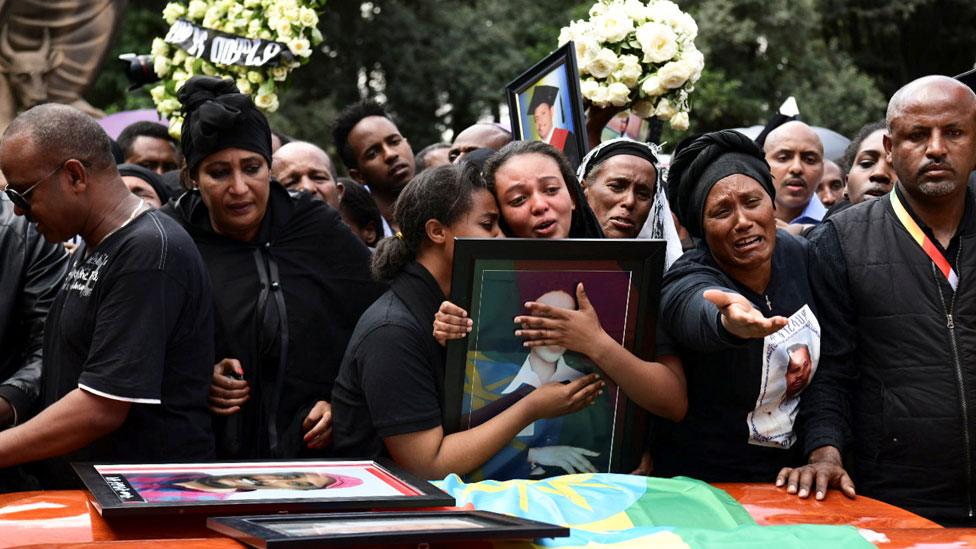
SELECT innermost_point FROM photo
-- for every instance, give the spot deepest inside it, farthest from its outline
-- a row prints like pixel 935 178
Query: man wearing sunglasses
pixel 31 271
pixel 128 345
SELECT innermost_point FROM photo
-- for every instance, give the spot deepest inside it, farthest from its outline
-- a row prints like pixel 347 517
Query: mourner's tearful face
pixel 621 192
pixel 739 225
pixel 481 221
pixel 871 176
pixel 533 196
pixel 932 138
pixel 234 184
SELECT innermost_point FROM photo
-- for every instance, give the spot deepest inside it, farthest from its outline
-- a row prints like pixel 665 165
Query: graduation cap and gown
pixel 561 138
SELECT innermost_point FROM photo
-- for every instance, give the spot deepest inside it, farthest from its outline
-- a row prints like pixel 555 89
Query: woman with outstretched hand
pixel 720 304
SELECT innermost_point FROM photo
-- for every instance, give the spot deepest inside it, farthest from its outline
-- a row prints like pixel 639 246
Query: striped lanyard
pixel 923 241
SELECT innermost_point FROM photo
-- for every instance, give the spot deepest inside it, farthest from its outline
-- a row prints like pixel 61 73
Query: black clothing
pixel 133 322
pixel 571 150
pixel 31 271
pixel 724 372
pixel 697 167
pixel 840 206
pixel 896 380
pixel 601 153
pixel 219 117
pixel 285 306
pixel 392 376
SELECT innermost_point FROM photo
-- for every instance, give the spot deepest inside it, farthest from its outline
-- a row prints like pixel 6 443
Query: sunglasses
pixel 20 198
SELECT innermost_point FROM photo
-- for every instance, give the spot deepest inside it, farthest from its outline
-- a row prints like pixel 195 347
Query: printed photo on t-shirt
pixel 790 358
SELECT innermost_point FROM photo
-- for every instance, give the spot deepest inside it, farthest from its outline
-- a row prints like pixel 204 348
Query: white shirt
pixel 527 376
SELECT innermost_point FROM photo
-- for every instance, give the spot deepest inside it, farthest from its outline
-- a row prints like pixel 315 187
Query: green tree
pixel 441 65
pixel 141 23
pixel 897 42
pixel 759 52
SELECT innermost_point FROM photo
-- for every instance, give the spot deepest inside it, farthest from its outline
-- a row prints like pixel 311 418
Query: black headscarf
pixel 155 180
pixel 218 117
pixel 616 147
pixel 705 161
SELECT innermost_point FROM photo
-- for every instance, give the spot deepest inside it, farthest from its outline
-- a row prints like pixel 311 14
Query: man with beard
pixel 894 281
pixel 375 154
pixel 795 156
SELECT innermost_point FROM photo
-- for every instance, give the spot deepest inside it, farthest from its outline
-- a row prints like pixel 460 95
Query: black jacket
pixel 896 388
pixel 285 305
pixel 31 271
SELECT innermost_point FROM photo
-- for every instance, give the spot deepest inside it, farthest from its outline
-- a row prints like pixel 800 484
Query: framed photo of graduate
pixel 544 104
pixel 376 528
pixel 253 487
pixel 490 369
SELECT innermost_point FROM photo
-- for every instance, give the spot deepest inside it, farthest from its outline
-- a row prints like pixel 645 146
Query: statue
pixel 52 50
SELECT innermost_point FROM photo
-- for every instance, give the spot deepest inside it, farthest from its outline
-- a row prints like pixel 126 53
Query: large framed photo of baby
pixel 503 283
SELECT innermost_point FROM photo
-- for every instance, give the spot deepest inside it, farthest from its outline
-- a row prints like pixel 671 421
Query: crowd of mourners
pixel 229 296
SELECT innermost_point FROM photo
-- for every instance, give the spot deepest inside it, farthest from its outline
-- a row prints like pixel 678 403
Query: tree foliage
pixel 441 65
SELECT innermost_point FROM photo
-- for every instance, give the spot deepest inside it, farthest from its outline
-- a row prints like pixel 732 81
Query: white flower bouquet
pixel 638 55
pixel 293 23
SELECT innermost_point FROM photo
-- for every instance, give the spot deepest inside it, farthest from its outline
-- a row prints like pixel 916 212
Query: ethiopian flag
pixel 624 511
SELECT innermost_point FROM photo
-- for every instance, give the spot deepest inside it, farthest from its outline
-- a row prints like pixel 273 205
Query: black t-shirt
pixel 724 372
pixel 133 321
pixel 391 376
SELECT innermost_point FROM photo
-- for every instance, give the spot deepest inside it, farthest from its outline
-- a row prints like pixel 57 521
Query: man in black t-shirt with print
pixel 128 343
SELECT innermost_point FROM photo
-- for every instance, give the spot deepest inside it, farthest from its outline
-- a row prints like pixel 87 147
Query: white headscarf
pixel 659 223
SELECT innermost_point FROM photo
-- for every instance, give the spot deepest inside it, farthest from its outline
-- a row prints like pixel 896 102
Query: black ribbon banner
pixel 227 49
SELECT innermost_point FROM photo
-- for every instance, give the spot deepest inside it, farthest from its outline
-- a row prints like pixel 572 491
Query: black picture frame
pixel 558 69
pixel 271 531
pixel 128 490
pixel 548 261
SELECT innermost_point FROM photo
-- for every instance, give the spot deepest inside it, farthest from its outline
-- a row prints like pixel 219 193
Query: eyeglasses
pixel 20 199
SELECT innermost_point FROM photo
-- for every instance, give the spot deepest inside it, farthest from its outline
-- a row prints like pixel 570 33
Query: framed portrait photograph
pixel 308 530
pixel 544 104
pixel 253 487
pixel 491 369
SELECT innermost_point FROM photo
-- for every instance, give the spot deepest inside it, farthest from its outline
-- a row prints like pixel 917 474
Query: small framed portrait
pixel 544 104
pixel 376 528
pixel 253 487
pixel 491 369
pixel 627 124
